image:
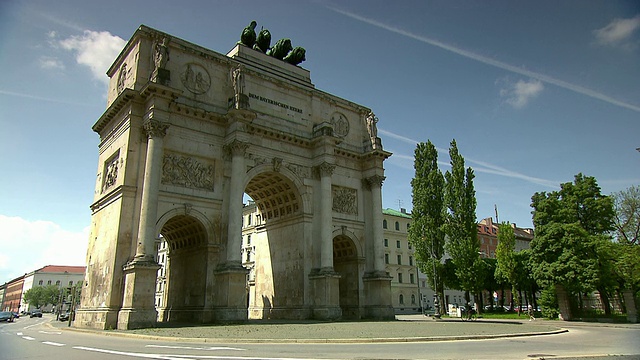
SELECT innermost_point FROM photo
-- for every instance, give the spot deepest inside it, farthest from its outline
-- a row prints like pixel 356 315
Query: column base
pixel 129 319
pixel 100 318
pixel 325 283
pixel 378 294
pixel 231 293
pixel 138 303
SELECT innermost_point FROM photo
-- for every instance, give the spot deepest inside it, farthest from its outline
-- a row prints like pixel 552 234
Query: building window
pixel 384 223
pixel 400 278
pixel 49 282
pixel 407 226
pixel 249 220
pixel 401 299
pixel 248 239
pixel 413 299
pixel 58 283
pixel 40 282
pixel 386 258
pixel 398 244
pixel 397 226
pixel 399 259
pixel 70 283
pixel 386 242
pixel 410 260
pixel 411 279
pixel 409 246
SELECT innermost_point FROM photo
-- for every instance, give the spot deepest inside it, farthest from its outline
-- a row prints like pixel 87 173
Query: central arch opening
pixel 347 264
pixel 273 248
pixel 182 279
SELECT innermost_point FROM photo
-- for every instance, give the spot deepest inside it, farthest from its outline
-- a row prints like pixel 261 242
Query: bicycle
pixel 468 314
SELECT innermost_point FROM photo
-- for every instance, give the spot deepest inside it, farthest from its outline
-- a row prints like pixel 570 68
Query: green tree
pixel 570 235
pixel 35 296
pixel 507 264
pixel 461 227
pixel 627 215
pixel 426 233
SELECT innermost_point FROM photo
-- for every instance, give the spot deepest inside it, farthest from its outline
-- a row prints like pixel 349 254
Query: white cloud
pixel 51 63
pixel 94 49
pixel 30 245
pixel 519 94
pixel 492 62
pixel 618 32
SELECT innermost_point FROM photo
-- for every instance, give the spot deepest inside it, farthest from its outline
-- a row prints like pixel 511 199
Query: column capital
pixel 236 147
pixel 324 169
pixel 374 181
pixel 155 128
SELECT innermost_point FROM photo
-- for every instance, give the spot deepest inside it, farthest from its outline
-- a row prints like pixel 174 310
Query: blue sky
pixel 534 92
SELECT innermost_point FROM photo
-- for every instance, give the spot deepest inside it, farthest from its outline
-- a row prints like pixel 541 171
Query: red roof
pixel 62 269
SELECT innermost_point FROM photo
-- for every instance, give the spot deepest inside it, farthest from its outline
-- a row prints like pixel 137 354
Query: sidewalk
pixel 406 328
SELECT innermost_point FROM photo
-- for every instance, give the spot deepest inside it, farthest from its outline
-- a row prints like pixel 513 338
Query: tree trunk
pixel 604 297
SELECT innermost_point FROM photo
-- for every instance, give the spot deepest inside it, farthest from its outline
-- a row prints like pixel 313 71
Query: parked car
pixel 64 316
pixel 16 315
pixel 36 313
pixel 6 316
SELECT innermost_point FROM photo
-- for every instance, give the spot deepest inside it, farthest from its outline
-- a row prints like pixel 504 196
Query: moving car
pixel 6 316
pixel 36 313
pixel 64 316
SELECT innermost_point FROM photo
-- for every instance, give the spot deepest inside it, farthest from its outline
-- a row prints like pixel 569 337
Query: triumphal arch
pixel 186 134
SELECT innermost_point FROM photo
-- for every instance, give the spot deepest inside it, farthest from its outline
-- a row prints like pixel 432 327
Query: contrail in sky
pixel 492 62
pixel 482 166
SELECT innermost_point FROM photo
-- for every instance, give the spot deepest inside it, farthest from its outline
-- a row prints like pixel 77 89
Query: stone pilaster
pixel 375 185
pixel 138 306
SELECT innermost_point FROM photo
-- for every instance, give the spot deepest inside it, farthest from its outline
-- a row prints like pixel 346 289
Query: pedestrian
pixel 530 310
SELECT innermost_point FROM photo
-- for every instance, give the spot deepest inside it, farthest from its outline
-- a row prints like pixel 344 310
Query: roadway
pixel 47 339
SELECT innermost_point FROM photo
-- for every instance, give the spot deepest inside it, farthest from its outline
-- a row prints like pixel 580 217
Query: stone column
pixel 325 170
pixel 229 302
pixel 138 303
pixel 377 282
pixel 145 249
pixel 375 184
pixel 237 150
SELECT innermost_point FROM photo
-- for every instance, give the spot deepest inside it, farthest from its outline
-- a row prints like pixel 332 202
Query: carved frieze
pixel 345 200
pixel 110 174
pixel 187 172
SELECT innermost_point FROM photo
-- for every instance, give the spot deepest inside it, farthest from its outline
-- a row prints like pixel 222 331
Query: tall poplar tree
pixel 426 233
pixel 461 227
pixel 507 266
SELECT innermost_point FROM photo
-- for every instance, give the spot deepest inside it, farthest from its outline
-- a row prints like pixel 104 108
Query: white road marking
pixel 183 357
pixel 19 334
pixel 52 343
pixel 50 332
pixel 195 348
pixel 28 338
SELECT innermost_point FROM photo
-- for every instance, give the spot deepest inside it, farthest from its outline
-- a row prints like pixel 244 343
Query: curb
pixel 310 341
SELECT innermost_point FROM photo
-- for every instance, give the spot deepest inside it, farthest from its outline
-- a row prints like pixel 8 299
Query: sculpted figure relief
pixel 162 53
pixel 372 120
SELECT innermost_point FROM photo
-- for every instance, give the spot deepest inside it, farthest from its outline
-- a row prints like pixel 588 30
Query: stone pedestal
pixel 138 304
pixel 378 302
pixel 231 294
pixel 326 289
pixel 630 304
pixel 564 303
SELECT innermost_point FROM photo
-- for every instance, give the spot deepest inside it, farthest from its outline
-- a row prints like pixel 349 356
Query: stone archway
pixel 187 263
pixel 182 133
pixel 277 281
pixel 349 266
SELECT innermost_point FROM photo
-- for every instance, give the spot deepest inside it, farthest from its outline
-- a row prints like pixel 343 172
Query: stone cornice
pixel 114 109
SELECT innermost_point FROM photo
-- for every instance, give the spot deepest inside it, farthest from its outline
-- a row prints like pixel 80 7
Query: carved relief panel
pixel 186 172
pixel 345 200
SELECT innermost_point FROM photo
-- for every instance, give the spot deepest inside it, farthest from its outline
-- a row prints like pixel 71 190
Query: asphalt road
pixel 47 339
